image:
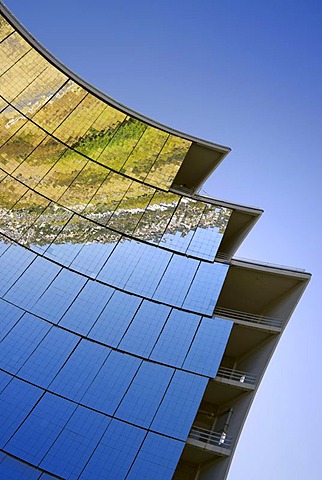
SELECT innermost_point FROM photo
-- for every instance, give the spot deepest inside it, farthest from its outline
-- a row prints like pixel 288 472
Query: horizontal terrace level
pixel 252 291
pixel 202 156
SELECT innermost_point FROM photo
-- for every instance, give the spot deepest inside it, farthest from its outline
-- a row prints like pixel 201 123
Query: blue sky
pixel 246 74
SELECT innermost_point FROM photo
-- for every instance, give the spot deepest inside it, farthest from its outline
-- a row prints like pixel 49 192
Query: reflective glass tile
pixel 9 315
pixel 107 198
pixel 94 254
pixel 75 127
pixel 115 452
pixel 41 428
pixel 209 233
pixel 176 280
pixel 39 91
pixel 122 143
pixel 74 235
pixel 13 469
pixel 13 262
pixel 16 401
pixel 10 192
pixel 179 405
pixel 5 29
pixel 115 318
pixel 146 275
pixel 101 132
pixel 62 174
pixel 157 458
pixel 60 106
pixel 145 394
pixel 144 154
pixel 18 222
pixel 5 378
pixel 122 262
pixel 176 337
pixel 182 225
pixel 107 389
pixel 208 347
pixel 40 161
pixel 201 299
pixel 21 74
pixel 80 370
pixel 145 328
pixel 72 449
pixel 131 208
pixel 168 162
pixel 59 295
pixel 3 104
pixel 20 146
pixel 4 244
pixel 47 227
pixel 156 217
pixel 87 307
pixel 48 358
pixel 10 122
pixel 84 186
pixel 32 283
pixel 21 341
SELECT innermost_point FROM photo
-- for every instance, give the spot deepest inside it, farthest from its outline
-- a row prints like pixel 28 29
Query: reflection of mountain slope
pixel 45 224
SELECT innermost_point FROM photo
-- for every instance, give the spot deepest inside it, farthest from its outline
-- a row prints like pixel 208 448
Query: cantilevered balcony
pixel 251 320
pixel 236 378
pixel 211 442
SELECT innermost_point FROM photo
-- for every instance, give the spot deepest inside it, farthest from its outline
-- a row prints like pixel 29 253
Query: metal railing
pixel 248 317
pixel 225 257
pixel 236 375
pixel 219 439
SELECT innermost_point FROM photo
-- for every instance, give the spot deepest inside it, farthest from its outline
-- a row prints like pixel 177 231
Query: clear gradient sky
pixel 247 74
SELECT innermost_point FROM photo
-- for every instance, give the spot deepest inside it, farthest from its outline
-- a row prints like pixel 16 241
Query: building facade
pixel 132 342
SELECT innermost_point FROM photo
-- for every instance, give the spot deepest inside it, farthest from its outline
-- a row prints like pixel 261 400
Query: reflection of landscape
pixel 80 120
pixel 42 223
pixel 60 143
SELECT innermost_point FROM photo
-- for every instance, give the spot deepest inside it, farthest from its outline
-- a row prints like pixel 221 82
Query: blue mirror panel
pixel 13 469
pixel 144 394
pixel 17 400
pixel 145 328
pixel 76 443
pixel 87 307
pixel 181 401
pixel 176 337
pixel 157 458
pixel 115 453
pixel 115 318
pixel 208 347
pixel 21 341
pixel 111 382
pixel 79 371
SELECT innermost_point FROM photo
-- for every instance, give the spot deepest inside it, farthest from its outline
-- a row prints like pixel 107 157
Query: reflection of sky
pixel 252 82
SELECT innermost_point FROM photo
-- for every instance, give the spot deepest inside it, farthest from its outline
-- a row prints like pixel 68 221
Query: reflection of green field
pixel 121 150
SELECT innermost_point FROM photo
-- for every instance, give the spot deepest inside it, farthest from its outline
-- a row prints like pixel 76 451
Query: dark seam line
pixel 41 470
pixel 45 390
pixel 99 342
pixel 146 242
pixel 103 283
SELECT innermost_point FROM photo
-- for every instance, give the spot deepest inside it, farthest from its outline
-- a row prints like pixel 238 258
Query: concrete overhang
pixel 262 289
pixel 240 223
pixel 201 160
